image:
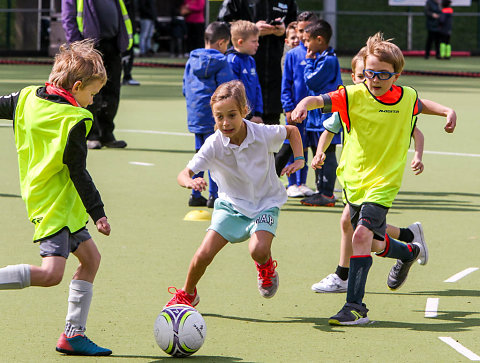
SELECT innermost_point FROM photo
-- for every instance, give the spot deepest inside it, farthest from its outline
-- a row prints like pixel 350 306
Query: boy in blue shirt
pixel 245 44
pixel 206 69
pixel 293 91
pixel 322 75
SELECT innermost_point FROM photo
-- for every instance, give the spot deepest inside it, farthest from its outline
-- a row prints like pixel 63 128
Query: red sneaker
pixel 267 278
pixel 181 297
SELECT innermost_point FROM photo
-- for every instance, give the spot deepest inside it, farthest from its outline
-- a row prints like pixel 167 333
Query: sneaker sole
pixel 399 286
pixel 69 352
pixel 329 291
pixel 318 205
pixel 422 244
pixel 361 321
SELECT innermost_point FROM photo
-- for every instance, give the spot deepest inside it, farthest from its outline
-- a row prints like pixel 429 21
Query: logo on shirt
pixel 265 218
pixel 389 111
pixel 245 71
pixel 37 220
pixel 303 63
pixel 253 72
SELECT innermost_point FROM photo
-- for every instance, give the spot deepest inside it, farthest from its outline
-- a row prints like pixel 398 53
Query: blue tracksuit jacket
pixel 205 70
pixel 322 75
pixel 244 68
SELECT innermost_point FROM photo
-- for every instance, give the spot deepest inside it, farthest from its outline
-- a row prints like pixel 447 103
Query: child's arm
pixel 287 96
pixel 323 144
pixel 433 108
pixel 293 135
pixel 417 164
pixel 308 103
pixel 185 180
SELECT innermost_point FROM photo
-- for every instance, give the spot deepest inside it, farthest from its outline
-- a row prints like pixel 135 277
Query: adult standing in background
pixel 108 23
pixel 194 13
pixel 432 13
pixel 147 10
pixel 270 17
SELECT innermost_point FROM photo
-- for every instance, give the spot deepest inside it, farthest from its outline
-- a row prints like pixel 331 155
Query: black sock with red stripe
pixel 357 278
pixel 406 235
pixel 396 249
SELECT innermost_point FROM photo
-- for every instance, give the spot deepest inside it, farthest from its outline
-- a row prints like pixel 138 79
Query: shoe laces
pixel 266 272
pixel 180 297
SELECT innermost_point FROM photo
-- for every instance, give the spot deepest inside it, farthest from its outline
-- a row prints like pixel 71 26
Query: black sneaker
pixel 197 201
pixel 319 200
pixel 211 201
pixel 399 272
pixel 115 144
pixel 351 314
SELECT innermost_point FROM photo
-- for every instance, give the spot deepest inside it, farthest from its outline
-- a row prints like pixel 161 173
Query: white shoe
pixel 293 191
pixel 418 236
pixel 331 283
pixel 306 190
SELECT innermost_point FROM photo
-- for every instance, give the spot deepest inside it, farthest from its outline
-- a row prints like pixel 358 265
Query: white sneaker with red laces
pixel 267 278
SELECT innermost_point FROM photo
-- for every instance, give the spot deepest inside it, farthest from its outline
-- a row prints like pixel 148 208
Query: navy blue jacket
pixel 244 68
pixel 205 70
pixel 322 75
pixel 294 88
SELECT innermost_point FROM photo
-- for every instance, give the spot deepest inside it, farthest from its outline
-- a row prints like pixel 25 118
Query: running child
pixel 206 69
pixel 240 158
pixel 337 281
pixel 51 126
pixel 245 36
pixel 378 119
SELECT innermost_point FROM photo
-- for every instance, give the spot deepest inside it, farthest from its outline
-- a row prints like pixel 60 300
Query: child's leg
pixel 328 172
pixel 212 187
pixel 304 170
pixel 260 245
pixel 211 245
pixel 282 157
pixel 260 249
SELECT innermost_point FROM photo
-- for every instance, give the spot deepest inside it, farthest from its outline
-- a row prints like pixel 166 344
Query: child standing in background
pixel 445 22
pixel 240 157
pixel 51 126
pixel 291 40
pixel 322 75
pixel 245 44
pixel 205 70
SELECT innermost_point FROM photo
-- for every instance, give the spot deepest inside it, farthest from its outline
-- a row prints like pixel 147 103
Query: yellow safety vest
pixel 41 131
pixel 126 19
pixel 376 143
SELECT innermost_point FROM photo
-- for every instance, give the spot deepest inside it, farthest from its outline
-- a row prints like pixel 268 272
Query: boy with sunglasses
pixel 377 118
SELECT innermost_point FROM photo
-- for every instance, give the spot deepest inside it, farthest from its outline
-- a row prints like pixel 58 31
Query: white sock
pixel 15 277
pixel 79 300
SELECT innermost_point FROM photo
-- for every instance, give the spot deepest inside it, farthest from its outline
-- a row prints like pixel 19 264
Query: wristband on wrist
pixel 299 158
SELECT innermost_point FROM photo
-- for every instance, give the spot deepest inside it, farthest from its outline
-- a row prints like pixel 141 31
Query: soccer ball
pixel 180 330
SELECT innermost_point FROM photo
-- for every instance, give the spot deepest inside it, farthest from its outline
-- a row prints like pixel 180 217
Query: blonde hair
pixel 292 26
pixel 243 29
pixel 359 56
pixel 78 61
pixel 385 51
pixel 233 89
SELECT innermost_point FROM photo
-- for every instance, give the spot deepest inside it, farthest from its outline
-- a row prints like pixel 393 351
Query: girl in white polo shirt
pixel 240 157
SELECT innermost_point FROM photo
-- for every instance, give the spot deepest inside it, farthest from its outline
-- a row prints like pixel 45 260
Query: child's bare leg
pixel 393 231
pixel 89 258
pixel 260 246
pixel 50 273
pixel 211 245
pixel 346 239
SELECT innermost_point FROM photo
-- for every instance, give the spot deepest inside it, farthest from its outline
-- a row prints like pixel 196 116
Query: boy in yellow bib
pixel 378 120
pixel 51 125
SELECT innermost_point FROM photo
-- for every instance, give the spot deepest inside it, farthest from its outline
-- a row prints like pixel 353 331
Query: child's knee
pixel 362 235
pixel 52 278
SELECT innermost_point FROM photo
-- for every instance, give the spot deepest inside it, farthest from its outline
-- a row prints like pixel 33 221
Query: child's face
pixel 315 44
pixel 229 120
pixel 248 46
pixel 377 86
pixel 357 74
pixel 292 38
pixel 84 94
pixel 301 25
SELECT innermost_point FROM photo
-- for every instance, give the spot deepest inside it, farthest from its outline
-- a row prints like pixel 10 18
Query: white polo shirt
pixel 245 174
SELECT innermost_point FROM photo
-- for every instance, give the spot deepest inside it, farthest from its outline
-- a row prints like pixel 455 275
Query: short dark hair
pixel 218 30
pixel 307 16
pixel 320 28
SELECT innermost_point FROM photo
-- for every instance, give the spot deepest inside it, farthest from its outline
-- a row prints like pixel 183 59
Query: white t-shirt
pixel 333 123
pixel 245 174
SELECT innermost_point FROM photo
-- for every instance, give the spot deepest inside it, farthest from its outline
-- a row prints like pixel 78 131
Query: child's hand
pixel 417 166
pixel 451 121
pixel 293 167
pixel 310 54
pixel 299 114
pixel 198 184
pixel 257 119
pixel 288 116
pixel 103 226
pixel 318 160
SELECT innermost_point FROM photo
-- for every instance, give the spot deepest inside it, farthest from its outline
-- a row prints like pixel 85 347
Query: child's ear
pixel 77 86
pixel 240 41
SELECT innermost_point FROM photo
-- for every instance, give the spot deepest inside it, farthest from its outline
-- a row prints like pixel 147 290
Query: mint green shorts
pixel 235 227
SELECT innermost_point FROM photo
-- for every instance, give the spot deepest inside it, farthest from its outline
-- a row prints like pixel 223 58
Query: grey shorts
pixel 63 243
pixel 370 215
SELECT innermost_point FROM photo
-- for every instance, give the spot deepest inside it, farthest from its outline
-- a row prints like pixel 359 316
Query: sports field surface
pixel 434 317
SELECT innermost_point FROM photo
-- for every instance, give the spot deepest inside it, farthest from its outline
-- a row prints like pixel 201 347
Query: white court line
pixel 461 274
pixel 157 132
pixel 140 163
pixel 460 348
pixel 431 307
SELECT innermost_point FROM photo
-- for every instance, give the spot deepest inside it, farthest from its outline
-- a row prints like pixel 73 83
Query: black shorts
pixel 370 215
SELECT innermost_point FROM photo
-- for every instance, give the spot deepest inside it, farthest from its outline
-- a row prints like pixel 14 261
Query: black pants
pixel 433 37
pixel 105 103
pixel 271 118
pixel 195 36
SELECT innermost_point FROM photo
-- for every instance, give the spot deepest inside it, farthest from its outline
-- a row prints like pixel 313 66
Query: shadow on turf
pixel 197 358
pixel 3 195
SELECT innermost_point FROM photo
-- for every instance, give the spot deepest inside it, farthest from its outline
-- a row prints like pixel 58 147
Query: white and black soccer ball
pixel 180 330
